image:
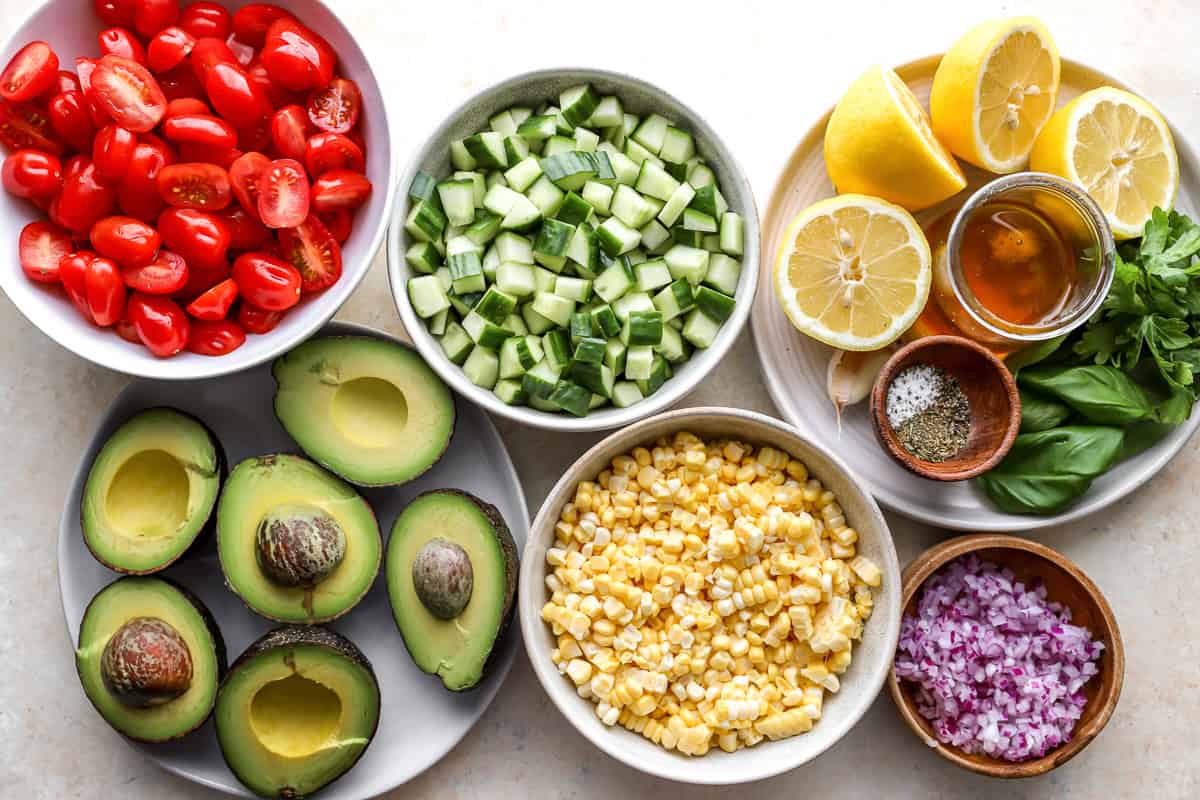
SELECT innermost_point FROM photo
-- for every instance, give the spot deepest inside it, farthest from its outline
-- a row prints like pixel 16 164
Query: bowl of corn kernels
pixel 710 597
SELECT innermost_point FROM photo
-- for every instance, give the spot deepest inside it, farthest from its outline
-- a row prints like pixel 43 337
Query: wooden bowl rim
pixel 887 437
pixel 914 577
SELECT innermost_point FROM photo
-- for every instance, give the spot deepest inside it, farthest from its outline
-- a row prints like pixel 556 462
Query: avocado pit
pixel 299 546
pixel 146 663
pixel 443 577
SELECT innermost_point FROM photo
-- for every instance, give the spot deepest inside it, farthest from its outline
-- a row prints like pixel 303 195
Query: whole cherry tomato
pixel 244 53
pixel 138 193
pixel 200 237
pixel 166 274
pixel 336 107
pixel 206 19
pixel 283 194
pixel 112 152
pixel 41 247
pixel 194 185
pixel 255 137
pixel 202 128
pixel 169 48
pixel 250 22
pixel 85 199
pixel 151 16
pixel 267 282
pixel 257 320
pixel 340 188
pixel 32 173
pixel 215 302
pixel 24 125
pixel 244 175
pixel 105 291
pixel 311 249
pixel 340 223
pixel 290 131
pixel 296 57
pixel 221 156
pixel 160 323
pixel 215 338
pixel 71 121
pixel 200 281
pixel 326 151
pixel 33 70
pixel 186 105
pixel 127 241
pixel 180 82
pixel 208 52
pixel 121 42
pixel 64 82
pixel 235 96
pixel 115 12
pixel 245 232
pixel 126 330
pixel 72 271
pixel 128 93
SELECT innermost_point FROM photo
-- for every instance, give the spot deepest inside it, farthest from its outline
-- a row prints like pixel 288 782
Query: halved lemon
pixel 1117 147
pixel 993 92
pixel 853 271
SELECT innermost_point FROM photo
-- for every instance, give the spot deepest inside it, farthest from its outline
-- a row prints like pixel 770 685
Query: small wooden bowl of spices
pixel 946 408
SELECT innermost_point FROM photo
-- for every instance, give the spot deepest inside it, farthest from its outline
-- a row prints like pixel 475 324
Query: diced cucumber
pixel 642 328
pixel 554 308
pixel 598 196
pixel 569 171
pixel 516 150
pixel 426 222
pixel 510 392
pixel 732 233
pixel 655 238
pixel 484 228
pixel 543 279
pixel 541 379
pixel 462 304
pixel 625 394
pixel 708 200
pixel 553 238
pixel 545 196
pixel 524 214
pixel 604 171
pixel 423 187
pixel 605 320
pixel 584 251
pixel 482 367
pixel 676 171
pixel 456 344
pixel 590 349
pixel 499 199
pixel 723 273
pixel 515 325
pixel 616 237
pixel 515 279
pixel 700 329
pixel 592 375
pixel 617 279
pixel 640 155
pixel 557 145
pixel 672 347
pixel 580 326
pixel 459 157
pixel 630 207
pixel 699 175
pixel 681 235
pixel 537 129
pixel 652 275
pixel 571 398
pixel 711 242
pixel 513 247
pixel 687 262
pixel 487 148
pixel 585 140
pixel 466 272
pixel 457 244
pixel 478 182
pixel 444 280
pixel 694 220
pixel 614 355
pixel 655 181
pixel 651 132
pixel 484 332
pixel 659 372
pixel 577 289
pixel 439 321
pixel 578 103
pixel 556 348
pixel 423 257
pixel 624 168
pixel 427 296
pixel 492 179
pixel 634 301
pixel 574 210
pixel 716 305
pixel 503 123
pixel 606 114
pixel 638 363
pixel 495 305
pixel 536 323
pixel 675 299
pixel 522 175
pixel 677 146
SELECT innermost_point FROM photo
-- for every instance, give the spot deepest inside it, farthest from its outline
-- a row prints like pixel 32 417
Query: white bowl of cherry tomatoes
pixel 192 187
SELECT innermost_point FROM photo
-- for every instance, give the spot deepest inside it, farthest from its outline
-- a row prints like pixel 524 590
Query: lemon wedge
pixel 853 272
pixel 879 142
pixel 1119 149
pixel 993 92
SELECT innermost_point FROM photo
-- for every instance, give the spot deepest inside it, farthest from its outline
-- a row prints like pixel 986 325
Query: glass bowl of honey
pixel 1028 257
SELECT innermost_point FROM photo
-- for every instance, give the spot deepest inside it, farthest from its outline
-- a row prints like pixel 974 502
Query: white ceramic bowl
pixel 872 656
pixel 70 27
pixel 639 97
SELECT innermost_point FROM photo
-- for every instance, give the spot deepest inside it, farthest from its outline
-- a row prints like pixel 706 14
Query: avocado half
pixel 459 650
pixel 369 409
pixel 257 487
pixel 296 711
pixel 131 597
pixel 150 491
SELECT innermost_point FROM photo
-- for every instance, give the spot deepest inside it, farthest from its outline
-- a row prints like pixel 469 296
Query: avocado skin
pixel 210 622
pixel 207 531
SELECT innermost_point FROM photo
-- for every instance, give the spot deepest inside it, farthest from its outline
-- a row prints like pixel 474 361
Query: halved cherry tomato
pixel 127 241
pixel 64 82
pixel 336 107
pixel 267 282
pixel 31 174
pixel 186 105
pixel 206 19
pixel 126 330
pixel 289 132
pixel 84 199
pixel 23 125
pixel 31 71
pixel 245 231
pixel 138 193
pixel 250 22
pixel 202 128
pixel 206 53
pixel 296 57
pixel 151 16
pixel 200 237
pixel 160 323
pixel 112 152
pixel 221 156
pixel 326 151
pixel 72 271
pixel 121 42
pixel 105 291
pixel 115 12
pixel 215 302
pixel 340 223
pixel 283 194
pixel 128 93
pixel 312 250
pixel 235 96
pixel 180 82
pixel 42 246
pixel 340 188
pixel 244 175
pixel 71 121
pixel 257 320
pixel 166 274
pixel 169 48
pixel 215 338
pixel 194 185
pixel 86 67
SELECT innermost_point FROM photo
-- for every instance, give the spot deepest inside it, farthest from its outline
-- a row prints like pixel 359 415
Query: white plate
pixel 239 410
pixel 794 364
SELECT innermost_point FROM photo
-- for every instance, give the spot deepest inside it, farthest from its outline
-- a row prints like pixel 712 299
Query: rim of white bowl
pixel 677 387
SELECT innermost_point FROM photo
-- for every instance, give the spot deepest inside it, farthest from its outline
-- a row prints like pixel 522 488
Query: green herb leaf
pixel 1041 413
pixel 1104 395
pixel 1046 471
pixel 1034 354
pixel 1141 436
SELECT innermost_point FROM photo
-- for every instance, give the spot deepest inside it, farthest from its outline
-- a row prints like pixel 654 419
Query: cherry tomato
pixel 244 53
pixel 186 105
pixel 340 223
pixel 180 82
pixel 86 67
pixel 244 175
pixel 72 271
pixel 194 185
pixel 112 152
pixel 267 282
pixel 128 93
pixel 340 188
pixel 65 82
pixel 126 330
pixel 251 21
pixel 296 58
pixel 277 95
pixel 138 193
pixel 85 199
pixel 215 338
pixel 257 320
pixel 105 291
pixel 69 117
pixel 206 19
pixel 166 274
pixel 221 156
pixel 31 174
pixel 169 48
pixel 256 137
pixel 283 194
pixel 42 246
pixel 151 16
pixel 31 71
pixel 311 249
pixel 123 43
pixel 201 238
pixel 326 151
pixel 289 132
pixel 23 125
pixel 115 12
pixel 201 280
pixel 160 323
pixel 214 303
pixel 208 52
pixel 234 96
pixel 202 128
pixel 245 231
pixel 127 241
pixel 336 107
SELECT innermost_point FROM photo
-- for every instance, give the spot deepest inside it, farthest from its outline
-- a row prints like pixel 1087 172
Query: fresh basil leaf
pixel 1034 354
pixel 1104 395
pixel 1041 413
pixel 1141 436
pixel 1045 471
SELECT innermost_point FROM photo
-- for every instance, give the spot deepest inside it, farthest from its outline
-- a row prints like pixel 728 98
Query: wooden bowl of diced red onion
pixel 1010 660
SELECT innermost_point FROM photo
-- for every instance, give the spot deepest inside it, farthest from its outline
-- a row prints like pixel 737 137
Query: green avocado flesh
pixel 296 711
pixel 368 409
pixel 150 491
pixel 258 487
pixel 456 650
pixel 132 597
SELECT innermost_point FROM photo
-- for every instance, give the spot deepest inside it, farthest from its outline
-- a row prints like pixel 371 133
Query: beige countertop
pixel 761 72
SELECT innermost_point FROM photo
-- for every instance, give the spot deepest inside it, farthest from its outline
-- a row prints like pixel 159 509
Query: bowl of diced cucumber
pixel 574 249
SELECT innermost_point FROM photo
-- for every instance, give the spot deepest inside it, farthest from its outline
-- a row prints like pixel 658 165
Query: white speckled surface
pixel 760 71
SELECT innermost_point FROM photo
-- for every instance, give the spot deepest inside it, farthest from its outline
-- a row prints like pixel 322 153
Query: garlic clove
pixel 850 376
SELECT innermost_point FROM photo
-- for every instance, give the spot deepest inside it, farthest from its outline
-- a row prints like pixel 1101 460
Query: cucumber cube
pixel 732 233
pixel 598 196
pixel 460 158
pixel 607 114
pixel 675 299
pixel 537 129
pixel 456 344
pixel 687 262
pixel 590 349
pixel 700 329
pixel 569 171
pixel 423 257
pixel 625 394
pixel 574 209
pixel 638 363
pixel 676 203
pixel 630 207
pixel 624 168
pixel 522 175
pixel 524 214
pixel 578 103
pixel 503 123
pixel 651 132
pixel 605 321
pixel 495 305
pixel 714 304
pixel 553 238
pixel 617 279
pixel 655 238
pixel 708 200
pixel 699 175
pixel 723 273
pixel 656 181
pixel 423 187
pixel 482 367
pixel 427 296
pixel 545 196
pixel 484 332
pixel 541 379
pixel 426 221
pixel 616 237
pixel 577 289
pixel 535 322
pixel 554 308
pixel 466 272
pixel 677 146
pixel 515 279
pixel 510 392
pixel 499 199
pixel 514 248
pixel 652 275
pixel 487 148
pixel 585 140
pixel 694 220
